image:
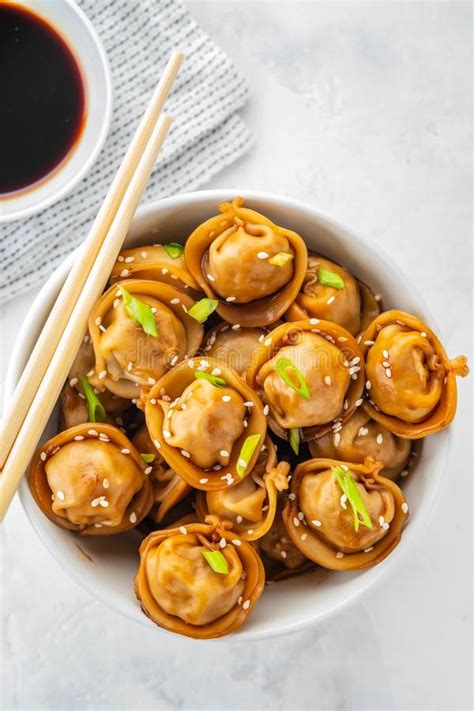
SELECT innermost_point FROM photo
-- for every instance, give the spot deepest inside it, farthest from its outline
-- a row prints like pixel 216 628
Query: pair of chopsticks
pixel 48 366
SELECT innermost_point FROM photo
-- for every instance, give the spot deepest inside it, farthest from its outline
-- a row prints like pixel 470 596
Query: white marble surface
pixel 363 109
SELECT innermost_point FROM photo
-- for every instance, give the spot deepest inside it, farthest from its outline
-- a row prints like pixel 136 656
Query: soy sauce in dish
pixel 42 98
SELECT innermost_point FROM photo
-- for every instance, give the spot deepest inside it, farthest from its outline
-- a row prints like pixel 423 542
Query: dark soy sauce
pixel 42 98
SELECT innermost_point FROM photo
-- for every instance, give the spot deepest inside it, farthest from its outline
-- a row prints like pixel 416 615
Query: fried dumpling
pixel 344 516
pixel 139 330
pixel 251 504
pixel 411 383
pixel 199 580
pixel 361 437
pixel 168 487
pixel 207 422
pixel 234 346
pixel 92 480
pixel 310 374
pixel 254 267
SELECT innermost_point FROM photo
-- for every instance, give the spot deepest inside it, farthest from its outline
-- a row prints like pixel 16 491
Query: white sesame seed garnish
pixel 331 299
pixel 327 380
pixel 210 277
pixel 337 439
pixel 222 543
pixel 260 338
pixel 314 321
pixel 236 327
pixel 120 258
pixel 263 255
pixel 422 333
pixel 102 374
pixel 292 497
pixel 239 519
pixel 183 530
pixel 249 403
pixel 133 517
pixel 405 507
pixel 129 260
pixel 367 550
pixel 369 343
pixel 268 342
pixel 224 453
pixel 164 271
pixel 125 451
pixel 386 526
pixel 151 381
pixel 185 454
pixel 124 273
pixel 79 438
pixel 144 255
pixel 283 554
pixel 175 301
pixel 60 495
pixel 73 382
pixel 92 433
pixel 246 605
pixel 236 542
pixel 226 398
pixel 296 521
pixel 316 523
pixel 381 521
pixel 388 372
pixel 379 439
pixel 103 502
pixel 386 363
pixel 105 483
pixel 404 473
pixel 343 501
pixel 339 554
pixel 148 470
pixel 166 434
pixel 203 480
pixel 43 456
pixel 266 410
pixel 103 437
pixel 98 525
pixel 157 443
pixel 216 371
pixel 98 321
pixel 231 298
pixel 191 364
pixel 368 385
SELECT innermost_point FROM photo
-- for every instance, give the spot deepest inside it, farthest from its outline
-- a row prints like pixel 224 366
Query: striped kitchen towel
pixel 138 36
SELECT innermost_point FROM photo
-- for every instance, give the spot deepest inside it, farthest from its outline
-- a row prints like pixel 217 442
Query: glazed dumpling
pixel 209 425
pixel 168 487
pixel 310 374
pixel 277 544
pixel 251 504
pixel 344 516
pixel 234 346
pixel 139 330
pixel 199 580
pixel 160 262
pixel 360 437
pixel 91 479
pixel 253 266
pixel 410 385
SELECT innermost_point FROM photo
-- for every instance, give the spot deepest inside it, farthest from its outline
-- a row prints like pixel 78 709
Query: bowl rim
pixel 64 189
pixel 372 576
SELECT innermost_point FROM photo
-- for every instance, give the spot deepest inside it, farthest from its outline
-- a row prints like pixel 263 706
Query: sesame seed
pixel 129 260
pixel 102 374
pixel 133 517
pixel 263 255
pixel 203 481
pixel 242 463
pixel 153 309
pixel 105 484
pixel 422 333
pixel 164 271
pixel 124 273
pixel 368 385
pixel 405 507
pixel 314 321
pixel 386 526
pixel 343 501
pixel 388 372
pixel 342 339
pixel 157 443
pixel 79 438
pixel 224 453
pixel 210 277
pixel 246 605
pixel 339 554
pixel 327 380
pixel 183 530
pixel 98 525
pixel 103 437
pixel 236 327
pixel 236 542
pixel 379 439
pixel 260 338
pixel 92 433
pixel 386 363
pixel 222 543
pixel 125 451
pixel 268 342
pixel 166 434
pixel 381 520
pixel 367 550
pixel 148 470
pixel 369 343
pixel 266 410
pixel 60 495
pixel 231 298
pixel 151 381
pixel 144 255
pixel 120 258
pixel 239 519
pixel 226 398
pixel 98 321
pixel 216 371
pixel 296 521
pixel 185 454
pixel 337 439
pixel 404 473
pixel 73 382
pixel 283 554
pixel 331 299
pixel 292 497
pixel 103 502
pixel 249 403
pixel 316 523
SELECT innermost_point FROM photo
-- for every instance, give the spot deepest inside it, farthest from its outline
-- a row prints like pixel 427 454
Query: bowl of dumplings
pixel 255 426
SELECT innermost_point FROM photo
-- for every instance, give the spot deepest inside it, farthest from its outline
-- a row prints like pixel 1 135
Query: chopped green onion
pixel 295 440
pixel 95 410
pixel 248 448
pixel 328 278
pixel 283 366
pixel 148 458
pixel 280 259
pixel 203 309
pixel 139 312
pixel 217 561
pixel 174 249
pixel 349 488
pixel 214 379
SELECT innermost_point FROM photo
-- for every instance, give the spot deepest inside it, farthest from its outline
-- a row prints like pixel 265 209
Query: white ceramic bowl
pixel 298 602
pixel 72 24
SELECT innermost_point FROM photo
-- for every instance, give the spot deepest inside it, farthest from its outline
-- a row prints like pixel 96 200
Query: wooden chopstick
pixel 63 357
pixel 53 329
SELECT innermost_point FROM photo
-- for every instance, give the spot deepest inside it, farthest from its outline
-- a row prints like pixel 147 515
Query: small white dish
pixel 298 602
pixel 74 27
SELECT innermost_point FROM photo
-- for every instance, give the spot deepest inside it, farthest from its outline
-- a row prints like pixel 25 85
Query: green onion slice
pixel 295 440
pixel 248 448
pixel 203 309
pixel 285 370
pixel 280 259
pixel 214 379
pixel 329 278
pixel 139 312
pixel 95 410
pixel 349 488
pixel 217 561
pixel 174 249
pixel 148 458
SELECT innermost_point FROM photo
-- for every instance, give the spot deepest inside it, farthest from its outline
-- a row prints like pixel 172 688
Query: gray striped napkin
pixel 207 134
